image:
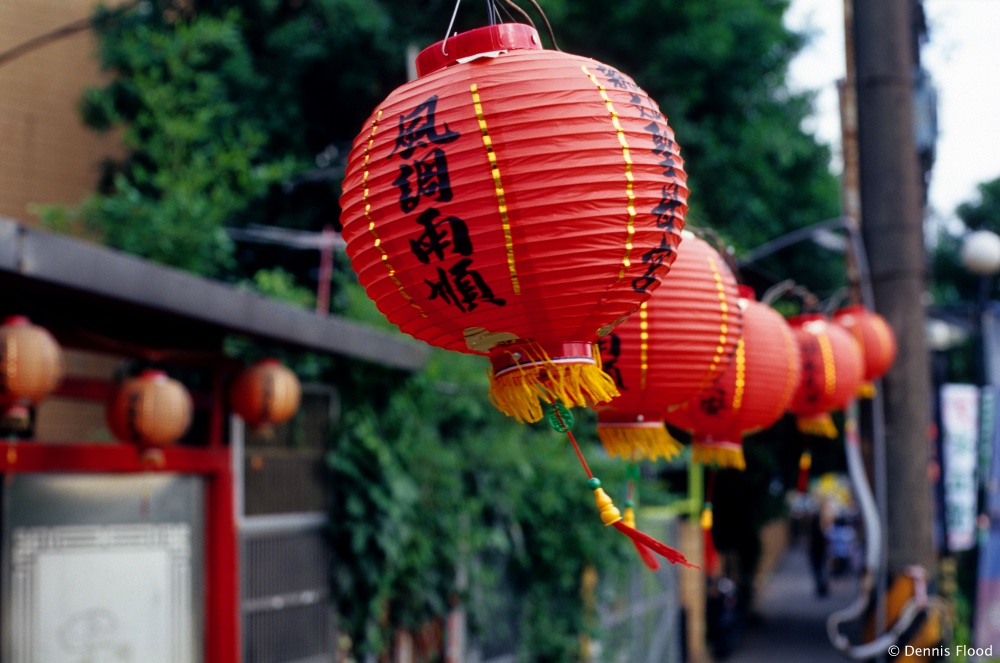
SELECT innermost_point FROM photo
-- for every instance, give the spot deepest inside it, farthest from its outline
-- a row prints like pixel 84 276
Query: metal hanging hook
pixel 444 42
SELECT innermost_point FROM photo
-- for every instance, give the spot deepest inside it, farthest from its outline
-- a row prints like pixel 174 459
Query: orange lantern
pixel 265 393
pixel 752 393
pixel 515 202
pixel 832 371
pixel 681 340
pixel 30 367
pixel 877 340
pixel 150 409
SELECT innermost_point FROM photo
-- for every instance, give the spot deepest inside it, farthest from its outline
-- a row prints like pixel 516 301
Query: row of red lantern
pixel 151 408
pixel 525 204
pixel 155 409
pixel 522 203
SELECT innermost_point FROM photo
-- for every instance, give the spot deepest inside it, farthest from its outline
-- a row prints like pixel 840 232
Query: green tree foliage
pixel 195 152
pixel 951 282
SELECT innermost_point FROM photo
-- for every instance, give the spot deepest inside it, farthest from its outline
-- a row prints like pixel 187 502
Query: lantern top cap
pixel 803 318
pixel 746 292
pixel 489 39
pixel 850 309
pixel 16 321
pixel 153 374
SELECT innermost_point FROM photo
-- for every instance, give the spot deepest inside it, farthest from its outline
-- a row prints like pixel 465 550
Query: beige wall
pixel 46 154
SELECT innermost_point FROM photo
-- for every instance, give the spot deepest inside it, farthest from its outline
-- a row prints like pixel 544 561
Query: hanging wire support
pixel 716 241
pixel 490 16
pixel 548 26
pixel 810 302
pixel 451 23
pixel 521 12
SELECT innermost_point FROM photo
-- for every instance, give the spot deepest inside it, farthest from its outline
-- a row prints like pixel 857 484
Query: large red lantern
pixel 832 372
pixel 679 341
pixel 752 393
pixel 265 393
pixel 515 202
pixel 150 409
pixel 877 340
pixel 30 368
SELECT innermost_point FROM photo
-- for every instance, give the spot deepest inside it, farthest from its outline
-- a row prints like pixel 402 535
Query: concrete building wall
pixel 47 155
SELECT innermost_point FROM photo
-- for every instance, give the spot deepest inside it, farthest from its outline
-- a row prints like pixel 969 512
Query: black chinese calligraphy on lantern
pixel 444 239
pixel 671 203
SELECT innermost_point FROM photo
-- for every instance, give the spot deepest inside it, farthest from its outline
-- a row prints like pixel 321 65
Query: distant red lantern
pixel 265 393
pixel 752 393
pixel 515 202
pixel 877 340
pixel 30 367
pixel 150 409
pixel 832 372
pixel 681 340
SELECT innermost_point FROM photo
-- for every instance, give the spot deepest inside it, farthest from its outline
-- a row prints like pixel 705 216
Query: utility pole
pixel 892 204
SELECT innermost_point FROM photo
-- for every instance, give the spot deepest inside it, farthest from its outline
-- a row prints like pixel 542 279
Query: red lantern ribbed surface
pixel 30 367
pixel 678 342
pixel 265 393
pixel 832 371
pixel 151 409
pixel 518 204
pixel 877 340
pixel 752 393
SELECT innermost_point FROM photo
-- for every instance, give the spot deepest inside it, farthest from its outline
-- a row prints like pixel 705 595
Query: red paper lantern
pixel 752 393
pixel 832 371
pixel 150 409
pixel 265 393
pixel 680 340
pixel 30 367
pixel 516 202
pixel 877 340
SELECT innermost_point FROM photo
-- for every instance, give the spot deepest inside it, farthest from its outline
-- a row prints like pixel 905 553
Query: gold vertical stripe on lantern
pixel 724 308
pixel 740 376
pixel 371 221
pixel 643 344
pixel 828 366
pixel 629 193
pixel 501 199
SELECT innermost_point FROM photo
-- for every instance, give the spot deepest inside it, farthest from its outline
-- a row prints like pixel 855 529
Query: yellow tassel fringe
pixel 867 390
pixel 820 424
pixel 520 393
pixel 642 440
pixel 720 456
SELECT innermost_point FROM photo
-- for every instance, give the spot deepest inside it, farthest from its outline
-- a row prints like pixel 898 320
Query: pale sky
pixel 963 57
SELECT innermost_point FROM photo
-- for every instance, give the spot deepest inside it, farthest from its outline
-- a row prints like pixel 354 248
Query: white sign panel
pixel 102 594
pixel 959 436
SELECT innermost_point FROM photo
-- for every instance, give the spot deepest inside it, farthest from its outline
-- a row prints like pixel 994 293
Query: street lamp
pixel 981 253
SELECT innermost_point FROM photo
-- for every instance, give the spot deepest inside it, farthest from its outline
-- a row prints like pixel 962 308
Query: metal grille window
pixel 286 598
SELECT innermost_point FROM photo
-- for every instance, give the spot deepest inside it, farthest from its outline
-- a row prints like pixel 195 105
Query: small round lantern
pixel 265 393
pixel 150 409
pixel 30 368
pixel 679 341
pixel 832 372
pixel 515 202
pixel 877 340
pixel 752 393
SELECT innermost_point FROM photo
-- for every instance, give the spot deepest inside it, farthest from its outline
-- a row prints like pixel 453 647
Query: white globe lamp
pixel 981 252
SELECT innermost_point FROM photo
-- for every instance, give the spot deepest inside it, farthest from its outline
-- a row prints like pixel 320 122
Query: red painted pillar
pixel 222 590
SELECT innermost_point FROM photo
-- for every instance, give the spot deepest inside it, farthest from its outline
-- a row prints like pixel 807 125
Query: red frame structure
pixel 213 462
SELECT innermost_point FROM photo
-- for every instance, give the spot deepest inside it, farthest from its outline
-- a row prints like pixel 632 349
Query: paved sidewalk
pixel 792 625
